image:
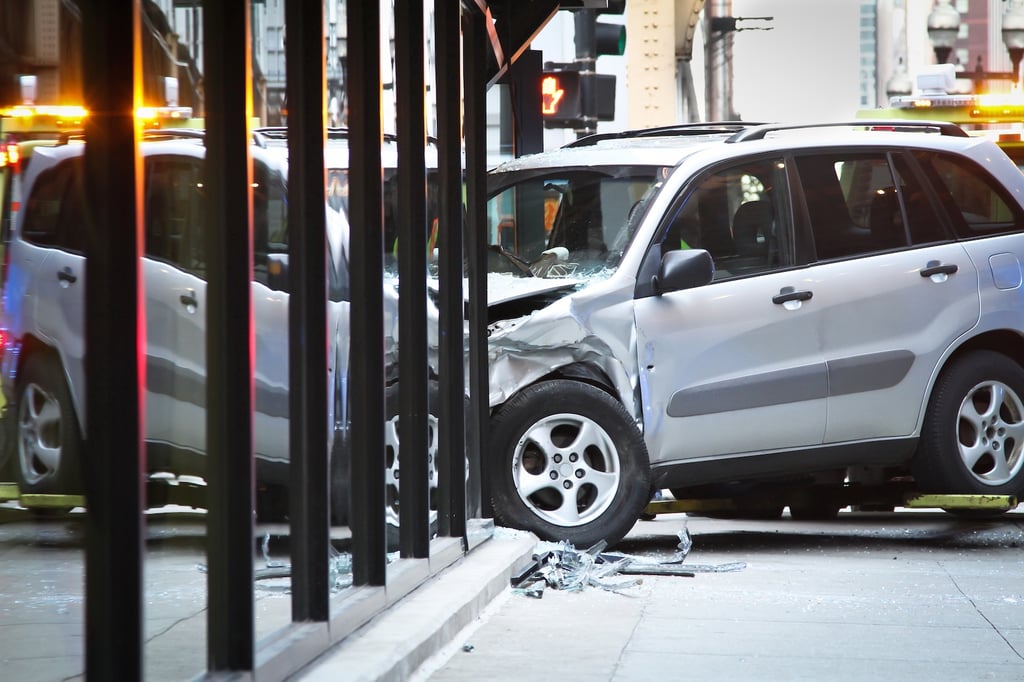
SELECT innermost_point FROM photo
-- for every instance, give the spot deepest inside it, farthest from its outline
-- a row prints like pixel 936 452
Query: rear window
pixel 977 204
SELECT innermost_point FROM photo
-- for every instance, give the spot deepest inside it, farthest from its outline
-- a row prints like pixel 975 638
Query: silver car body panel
pixel 692 365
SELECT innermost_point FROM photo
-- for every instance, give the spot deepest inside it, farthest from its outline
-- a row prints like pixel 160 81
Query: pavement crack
pixel 183 619
pixel 981 613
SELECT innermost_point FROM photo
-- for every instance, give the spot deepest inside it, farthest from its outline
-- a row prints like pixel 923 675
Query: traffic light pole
pixel 586 59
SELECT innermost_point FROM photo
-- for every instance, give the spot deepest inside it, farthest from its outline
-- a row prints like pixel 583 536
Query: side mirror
pixel 683 269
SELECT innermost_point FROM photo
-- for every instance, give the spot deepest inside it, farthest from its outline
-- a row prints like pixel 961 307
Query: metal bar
pixel 992 502
pixel 525 75
pixel 229 343
pixel 307 316
pixel 475 46
pixel 414 532
pixel 451 506
pixel 586 59
pixel 114 342
pixel 369 546
pixel 52 501
pixel 893 496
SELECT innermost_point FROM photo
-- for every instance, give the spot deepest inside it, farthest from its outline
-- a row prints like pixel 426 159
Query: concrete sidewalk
pixel 867 597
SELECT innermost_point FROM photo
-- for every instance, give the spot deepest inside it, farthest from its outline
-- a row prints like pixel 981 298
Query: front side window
pixel 568 223
pixel 739 214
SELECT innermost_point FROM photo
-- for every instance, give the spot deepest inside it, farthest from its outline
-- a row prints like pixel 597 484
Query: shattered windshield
pixel 566 223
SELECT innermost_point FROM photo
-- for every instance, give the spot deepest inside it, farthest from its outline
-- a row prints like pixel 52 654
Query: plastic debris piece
pixel 683 548
pixel 265 546
pixel 717 568
pixel 563 567
pixel 467 647
pixel 339 569
pixel 685 540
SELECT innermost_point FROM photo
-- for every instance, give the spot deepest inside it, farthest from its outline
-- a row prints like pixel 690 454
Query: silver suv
pixel 43 307
pixel 722 309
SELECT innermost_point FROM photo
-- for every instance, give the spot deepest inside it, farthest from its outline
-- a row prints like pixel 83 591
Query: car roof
pixel 669 146
pixel 336 148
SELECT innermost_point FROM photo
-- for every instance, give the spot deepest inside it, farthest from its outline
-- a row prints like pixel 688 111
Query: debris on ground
pixel 339 567
pixel 563 567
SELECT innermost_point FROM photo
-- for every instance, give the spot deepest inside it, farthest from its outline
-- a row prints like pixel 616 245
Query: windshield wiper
pixel 521 264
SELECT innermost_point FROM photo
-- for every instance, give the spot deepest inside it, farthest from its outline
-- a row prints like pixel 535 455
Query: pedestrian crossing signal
pixel 560 98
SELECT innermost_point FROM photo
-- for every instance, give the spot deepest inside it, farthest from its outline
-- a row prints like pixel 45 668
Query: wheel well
pixel 32 346
pixel 1004 341
pixel 586 373
pixel 577 371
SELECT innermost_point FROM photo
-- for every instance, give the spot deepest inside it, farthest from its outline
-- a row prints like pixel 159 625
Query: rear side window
pixel 978 206
pixel 861 203
pixel 53 214
pixel 174 213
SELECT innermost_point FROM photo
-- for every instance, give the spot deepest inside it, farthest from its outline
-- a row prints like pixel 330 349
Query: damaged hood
pixel 503 288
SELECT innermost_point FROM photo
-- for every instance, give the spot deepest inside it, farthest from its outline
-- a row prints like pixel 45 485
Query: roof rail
pixel 333 133
pixel 147 135
pixel 68 135
pixel 173 134
pixel 158 134
pixel 675 130
pixel 759 132
pixel 272 132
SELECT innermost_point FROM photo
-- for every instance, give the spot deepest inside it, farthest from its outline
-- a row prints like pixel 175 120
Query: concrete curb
pixel 397 642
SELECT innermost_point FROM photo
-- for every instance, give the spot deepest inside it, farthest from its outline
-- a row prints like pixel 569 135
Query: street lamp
pixel 944 26
pixel 1013 34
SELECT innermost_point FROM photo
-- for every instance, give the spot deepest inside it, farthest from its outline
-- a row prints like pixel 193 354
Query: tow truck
pixel 998 116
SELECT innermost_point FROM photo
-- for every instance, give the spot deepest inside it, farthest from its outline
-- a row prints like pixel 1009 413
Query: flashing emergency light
pixel 62 114
pixel 155 117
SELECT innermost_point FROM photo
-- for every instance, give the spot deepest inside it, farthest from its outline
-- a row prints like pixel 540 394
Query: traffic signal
pixel 561 102
pixel 609 38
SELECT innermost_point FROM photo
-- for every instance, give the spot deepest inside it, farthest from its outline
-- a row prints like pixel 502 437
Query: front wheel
pixel 570 464
pixel 48 438
pixel 972 440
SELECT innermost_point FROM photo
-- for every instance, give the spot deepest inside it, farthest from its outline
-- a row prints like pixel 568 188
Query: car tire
pixel 972 439
pixel 392 461
pixel 49 442
pixel 814 510
pixel 341 475
pixel 543 482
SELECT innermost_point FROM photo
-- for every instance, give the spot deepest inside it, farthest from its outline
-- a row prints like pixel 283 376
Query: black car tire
pixel 49 442
pixel 392 461
pixel 341 476
pixel 972 439
pixel 814 510
pixel 533 440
